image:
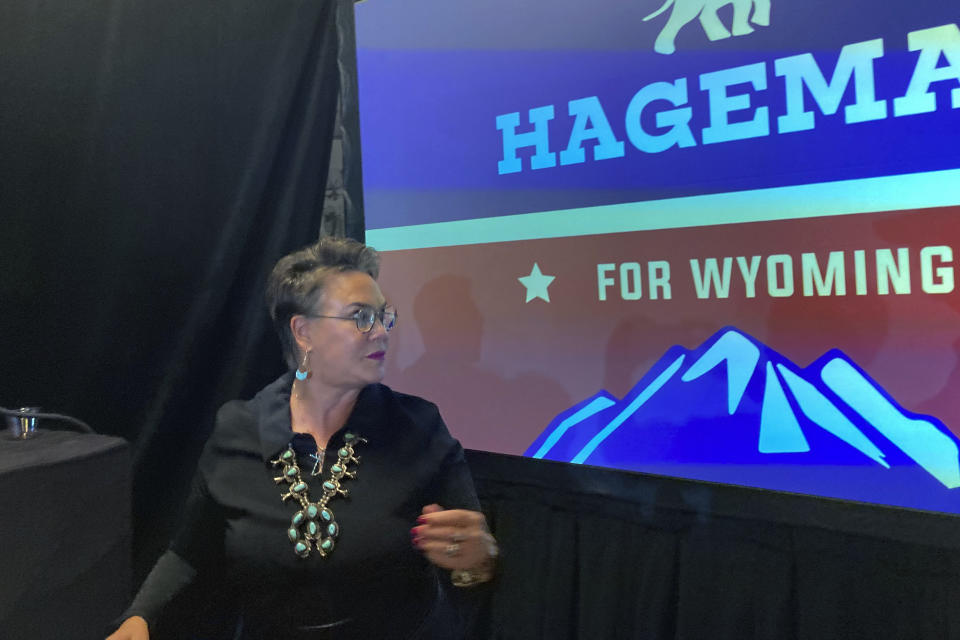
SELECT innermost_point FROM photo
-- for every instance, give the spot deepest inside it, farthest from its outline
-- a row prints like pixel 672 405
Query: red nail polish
pixel 421 520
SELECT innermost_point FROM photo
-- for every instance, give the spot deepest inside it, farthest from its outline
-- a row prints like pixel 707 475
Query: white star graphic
pixel 536 284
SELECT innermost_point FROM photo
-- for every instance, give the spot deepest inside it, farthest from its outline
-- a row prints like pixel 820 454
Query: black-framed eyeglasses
pixel 366 317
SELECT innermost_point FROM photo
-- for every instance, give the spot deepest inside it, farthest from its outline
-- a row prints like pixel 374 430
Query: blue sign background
pixel 428 110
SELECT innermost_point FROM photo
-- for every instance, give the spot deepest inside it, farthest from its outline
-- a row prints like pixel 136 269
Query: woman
pixel 329 505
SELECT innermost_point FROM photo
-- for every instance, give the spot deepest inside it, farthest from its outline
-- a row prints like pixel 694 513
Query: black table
pixel 64 534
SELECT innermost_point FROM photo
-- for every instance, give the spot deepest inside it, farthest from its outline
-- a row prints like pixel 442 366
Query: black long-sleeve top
pixel 235 523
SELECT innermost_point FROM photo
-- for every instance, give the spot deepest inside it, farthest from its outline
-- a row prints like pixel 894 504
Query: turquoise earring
pixel 303 371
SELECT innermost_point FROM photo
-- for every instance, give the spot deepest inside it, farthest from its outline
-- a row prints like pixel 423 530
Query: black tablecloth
pixel 64 534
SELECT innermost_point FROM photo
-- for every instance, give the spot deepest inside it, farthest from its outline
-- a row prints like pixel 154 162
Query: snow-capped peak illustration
pixel 735 410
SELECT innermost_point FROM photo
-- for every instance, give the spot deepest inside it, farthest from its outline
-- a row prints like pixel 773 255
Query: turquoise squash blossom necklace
pixel 314 526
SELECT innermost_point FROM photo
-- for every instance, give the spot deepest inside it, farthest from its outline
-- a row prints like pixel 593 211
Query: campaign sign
pixel 712 240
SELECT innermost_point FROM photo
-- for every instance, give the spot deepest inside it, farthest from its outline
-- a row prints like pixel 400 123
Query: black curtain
pixel 156 159
pixel 593 553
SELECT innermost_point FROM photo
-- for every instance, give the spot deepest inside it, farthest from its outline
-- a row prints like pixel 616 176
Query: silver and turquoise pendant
pixel 314 526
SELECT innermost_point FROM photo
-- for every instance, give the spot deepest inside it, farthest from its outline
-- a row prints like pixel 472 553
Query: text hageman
pixel 855 64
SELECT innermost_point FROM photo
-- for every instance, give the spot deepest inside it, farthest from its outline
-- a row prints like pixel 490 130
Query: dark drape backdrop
pixel 593 553
pixel 156 158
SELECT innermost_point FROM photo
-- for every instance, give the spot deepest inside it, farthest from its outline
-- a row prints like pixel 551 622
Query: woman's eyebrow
pixel 366 305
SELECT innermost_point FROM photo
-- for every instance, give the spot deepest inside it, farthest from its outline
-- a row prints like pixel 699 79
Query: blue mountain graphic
pixel 734 410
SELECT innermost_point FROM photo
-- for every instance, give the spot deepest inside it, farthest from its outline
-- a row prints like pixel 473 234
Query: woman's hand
pixel 133 628
pixel 454 538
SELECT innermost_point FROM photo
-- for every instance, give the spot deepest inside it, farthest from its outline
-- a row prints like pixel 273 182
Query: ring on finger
pixel 452 549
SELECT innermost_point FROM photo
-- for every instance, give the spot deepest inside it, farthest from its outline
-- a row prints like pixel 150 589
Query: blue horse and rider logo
pixel 686 11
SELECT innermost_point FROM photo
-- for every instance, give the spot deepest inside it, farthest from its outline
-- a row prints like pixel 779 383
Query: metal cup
pixel 23 426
